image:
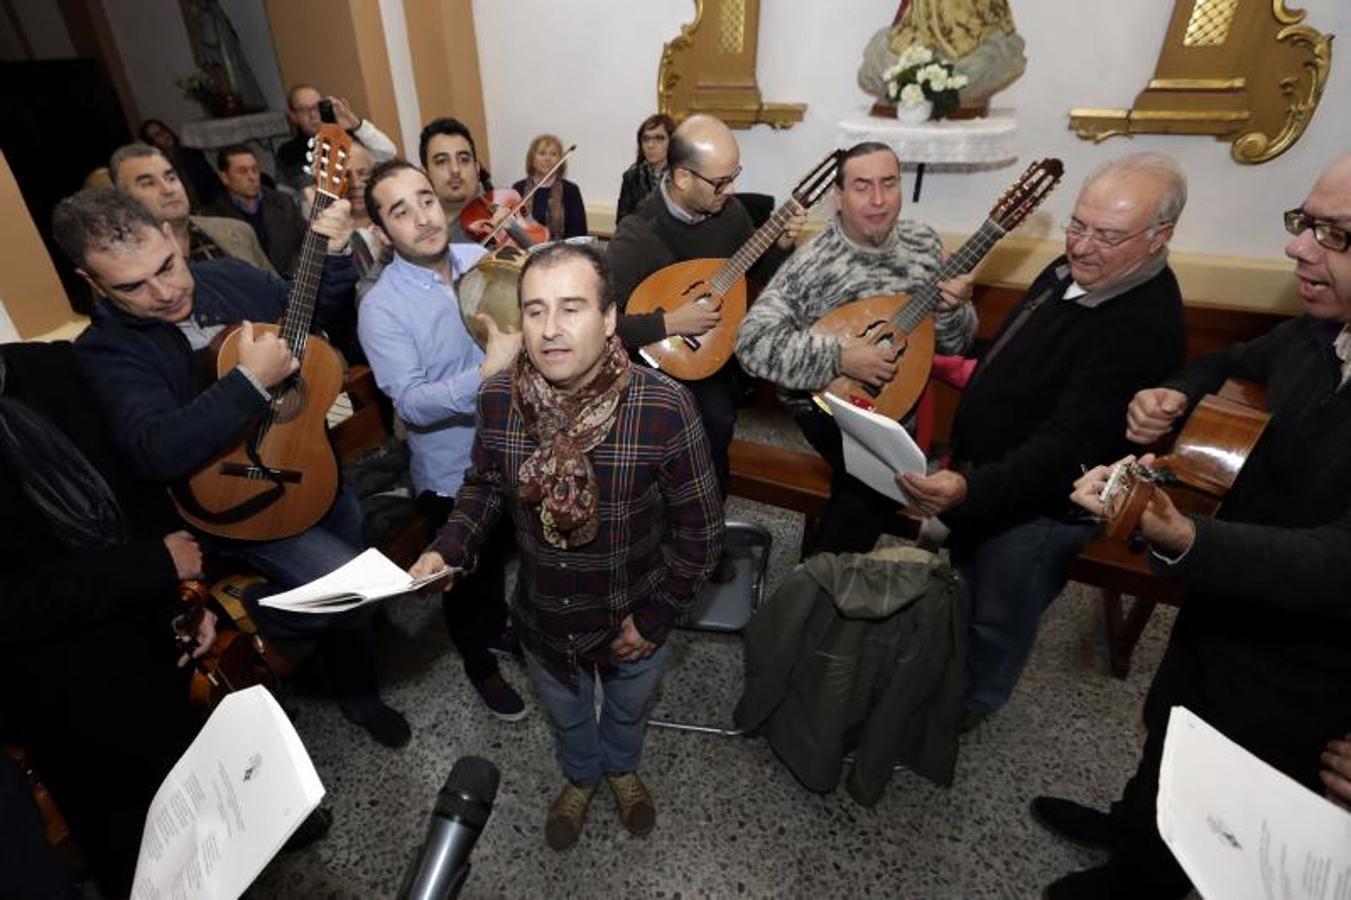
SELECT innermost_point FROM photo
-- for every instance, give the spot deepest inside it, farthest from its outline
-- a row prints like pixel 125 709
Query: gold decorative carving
pixel 1196 84
pixel 732 27
pixel 1245 71
pixel 1209 23
pixel 712 69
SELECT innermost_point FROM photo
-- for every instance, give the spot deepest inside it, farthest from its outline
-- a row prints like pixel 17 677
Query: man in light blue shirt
pixel 425 360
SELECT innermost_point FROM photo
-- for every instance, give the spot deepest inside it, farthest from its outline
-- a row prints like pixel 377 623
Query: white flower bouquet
pixel 918 75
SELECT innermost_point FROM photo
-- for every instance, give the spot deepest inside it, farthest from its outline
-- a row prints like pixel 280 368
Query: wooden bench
pixel 795 480
pixel 1117 572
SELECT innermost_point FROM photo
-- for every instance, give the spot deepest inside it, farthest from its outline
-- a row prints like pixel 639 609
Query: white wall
pixel 255 39
pixel 592 68
pixel 395 26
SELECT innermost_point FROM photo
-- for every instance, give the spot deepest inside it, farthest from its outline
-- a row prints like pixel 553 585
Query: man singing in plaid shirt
pixel 605 470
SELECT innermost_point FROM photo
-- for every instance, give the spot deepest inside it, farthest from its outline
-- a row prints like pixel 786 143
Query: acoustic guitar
pixel 281 476
pixel 719 283
pixel 1202 466
pixel 904 323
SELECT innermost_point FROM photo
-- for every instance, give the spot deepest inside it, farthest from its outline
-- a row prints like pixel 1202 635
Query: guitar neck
pixel 299 316
pixel 754 248
pixel 926 298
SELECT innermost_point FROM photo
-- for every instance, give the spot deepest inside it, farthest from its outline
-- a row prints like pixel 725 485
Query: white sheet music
pixel 369 577
pixel 876 448
pixel 229 803
pixel 1240 828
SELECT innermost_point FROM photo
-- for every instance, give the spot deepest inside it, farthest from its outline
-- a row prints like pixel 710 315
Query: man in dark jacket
pixel 1097 325
pixel 692 215
pixel 274 216
pixel 1260 648
pixel 145 356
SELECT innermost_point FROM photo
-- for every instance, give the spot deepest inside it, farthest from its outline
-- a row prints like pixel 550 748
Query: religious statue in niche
pixel 710 68
pixel 1245 71
pixel 231 88
pixel 977 36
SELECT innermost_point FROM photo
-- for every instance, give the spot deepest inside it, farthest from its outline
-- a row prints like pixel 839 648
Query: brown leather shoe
pixel 568 815
pixel 633 803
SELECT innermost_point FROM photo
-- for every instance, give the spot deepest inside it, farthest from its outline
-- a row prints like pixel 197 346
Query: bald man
pixel 1261 649
pixel 302 109
pixel 693 214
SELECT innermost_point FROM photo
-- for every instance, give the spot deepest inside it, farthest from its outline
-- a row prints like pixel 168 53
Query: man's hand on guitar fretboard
pixel 266 355
pixel 792 229
pixel 956 291
pixel 335 223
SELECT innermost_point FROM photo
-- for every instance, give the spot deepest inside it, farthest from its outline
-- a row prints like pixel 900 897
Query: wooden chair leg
pixel 1124 627
pixel 810 522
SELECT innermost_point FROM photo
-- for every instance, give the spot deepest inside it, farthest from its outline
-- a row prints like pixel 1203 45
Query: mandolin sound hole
pixel 290 402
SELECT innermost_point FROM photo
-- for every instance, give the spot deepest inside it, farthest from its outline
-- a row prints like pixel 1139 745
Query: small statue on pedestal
pixel 978 36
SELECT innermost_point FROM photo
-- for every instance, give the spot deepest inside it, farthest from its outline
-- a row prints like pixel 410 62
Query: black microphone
pixel 440 866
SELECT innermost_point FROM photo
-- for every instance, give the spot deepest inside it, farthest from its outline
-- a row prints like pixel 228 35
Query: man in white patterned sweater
pixel 867 251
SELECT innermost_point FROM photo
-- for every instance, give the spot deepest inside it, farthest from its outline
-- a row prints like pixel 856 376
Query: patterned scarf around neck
pixel 558 477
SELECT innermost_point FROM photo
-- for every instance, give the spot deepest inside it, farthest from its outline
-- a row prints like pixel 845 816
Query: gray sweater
pixel 773 341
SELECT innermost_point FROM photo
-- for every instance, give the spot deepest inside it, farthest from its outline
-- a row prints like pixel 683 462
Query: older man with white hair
pixel 1097 324
pixel 1260 649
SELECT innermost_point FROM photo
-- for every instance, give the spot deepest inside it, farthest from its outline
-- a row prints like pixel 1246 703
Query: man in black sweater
pixel 1097 325
pixel 692 215
pixel 1260 648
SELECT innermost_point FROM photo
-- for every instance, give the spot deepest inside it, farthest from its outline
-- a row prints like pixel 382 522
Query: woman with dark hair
pixel 557 205
pixel 194 171
pixel 654 137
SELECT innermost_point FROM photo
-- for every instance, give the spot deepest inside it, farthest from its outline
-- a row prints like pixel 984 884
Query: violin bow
pixel 529 194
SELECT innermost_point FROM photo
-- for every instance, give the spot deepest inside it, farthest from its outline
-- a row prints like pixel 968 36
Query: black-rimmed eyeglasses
pixel 718 184
pixel 1333 237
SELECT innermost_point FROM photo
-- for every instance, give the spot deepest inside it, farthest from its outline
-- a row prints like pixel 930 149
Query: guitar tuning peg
pixel 308 170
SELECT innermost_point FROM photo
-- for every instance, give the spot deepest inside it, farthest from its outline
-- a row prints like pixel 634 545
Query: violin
pixel 482 219
pixel 483 215
pixel 235 661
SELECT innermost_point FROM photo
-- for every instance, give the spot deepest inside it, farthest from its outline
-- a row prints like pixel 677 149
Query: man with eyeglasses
pixel 1097 324
pixel 867 251
pixel 302 109
pixel 693 214
pixel 1260 649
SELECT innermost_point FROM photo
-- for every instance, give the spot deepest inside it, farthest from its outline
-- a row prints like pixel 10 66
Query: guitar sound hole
pixel 290 401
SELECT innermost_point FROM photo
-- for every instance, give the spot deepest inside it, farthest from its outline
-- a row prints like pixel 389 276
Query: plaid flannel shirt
pixel 660 532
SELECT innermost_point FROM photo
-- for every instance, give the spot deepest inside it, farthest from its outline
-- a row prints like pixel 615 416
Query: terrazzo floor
pixel 732 822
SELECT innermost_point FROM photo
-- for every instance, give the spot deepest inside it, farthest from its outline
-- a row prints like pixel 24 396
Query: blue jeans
pixel 587 749
pixel 1013 576
pixel 344 639
pixel 290 562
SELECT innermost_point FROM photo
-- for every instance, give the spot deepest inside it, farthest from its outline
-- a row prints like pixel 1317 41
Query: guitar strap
pixel 1020 320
